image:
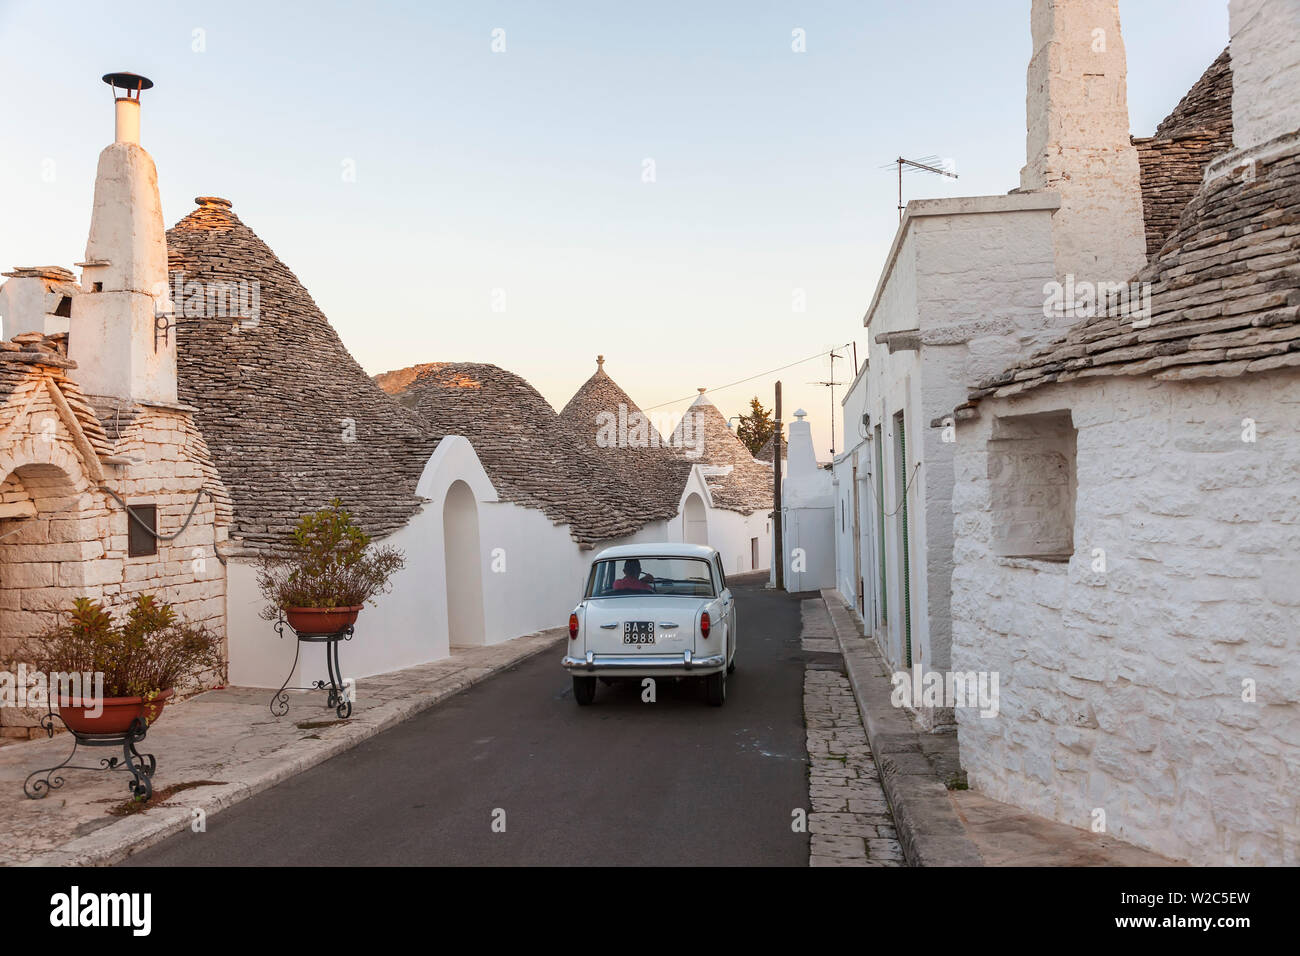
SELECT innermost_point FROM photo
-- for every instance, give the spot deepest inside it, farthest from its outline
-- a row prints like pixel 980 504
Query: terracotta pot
pixel 321 620
pixel 116 713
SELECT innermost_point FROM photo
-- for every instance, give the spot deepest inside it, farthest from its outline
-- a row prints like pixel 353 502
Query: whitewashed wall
pixel 532 574
pixel 968 275
pixel 1122 689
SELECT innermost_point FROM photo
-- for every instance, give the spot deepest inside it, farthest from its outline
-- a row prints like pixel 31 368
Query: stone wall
pixel 66 538
pixel 1123 671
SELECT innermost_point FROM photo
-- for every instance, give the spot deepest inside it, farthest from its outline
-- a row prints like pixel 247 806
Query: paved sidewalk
pixel 850 823
pixel 942 827
pixel 228 741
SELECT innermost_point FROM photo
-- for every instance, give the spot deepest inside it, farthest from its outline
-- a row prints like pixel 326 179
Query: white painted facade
pixel 808 514
pixel 1149 676
pixel 1123 669
pixel 960 297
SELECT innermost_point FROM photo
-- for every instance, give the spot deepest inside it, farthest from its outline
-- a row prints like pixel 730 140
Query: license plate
pixel 638 632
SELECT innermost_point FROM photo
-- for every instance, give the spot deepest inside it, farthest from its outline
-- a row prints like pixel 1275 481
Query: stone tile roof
pixel 290 418
pixel 1225 293
pixel 647 480
pixel 736 480
pixel 32 356
pixel 1173 160
pixel 765 453
pixel 532 458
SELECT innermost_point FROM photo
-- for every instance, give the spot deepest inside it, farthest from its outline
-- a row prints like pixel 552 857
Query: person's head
pixel 632 568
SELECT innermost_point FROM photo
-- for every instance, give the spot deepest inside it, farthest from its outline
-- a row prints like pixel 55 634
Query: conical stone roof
pixel 532 458
pixel 1224 294
pixel 290 418
pixel 736 480
pixel 644 472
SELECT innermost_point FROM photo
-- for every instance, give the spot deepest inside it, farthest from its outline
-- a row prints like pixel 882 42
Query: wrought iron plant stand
pixel 339 696
pixel 140 766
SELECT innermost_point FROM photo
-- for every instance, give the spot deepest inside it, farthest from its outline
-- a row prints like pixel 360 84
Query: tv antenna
pixel 834 354
pixel 927 164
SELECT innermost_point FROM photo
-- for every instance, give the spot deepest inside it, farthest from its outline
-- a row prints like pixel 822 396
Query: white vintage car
pixel 653 610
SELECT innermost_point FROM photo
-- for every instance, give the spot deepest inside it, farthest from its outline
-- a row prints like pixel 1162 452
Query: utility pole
pixel 778 545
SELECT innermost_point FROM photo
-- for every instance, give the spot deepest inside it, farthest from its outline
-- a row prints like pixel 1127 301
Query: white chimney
pixel 1078 139
pixel 122 335
pixel 801 459
pixel 1265 51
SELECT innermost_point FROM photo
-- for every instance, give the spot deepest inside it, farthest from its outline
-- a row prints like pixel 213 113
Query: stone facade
pixel 1173 160
pixel 64 536
pixel 1153 676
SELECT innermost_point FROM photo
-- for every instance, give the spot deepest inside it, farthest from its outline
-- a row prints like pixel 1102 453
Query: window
pixel 722 575
pixel 139 541
pixel 628 577
pixel 1032 484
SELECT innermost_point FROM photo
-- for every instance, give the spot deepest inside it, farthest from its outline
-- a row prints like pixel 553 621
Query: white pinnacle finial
pixel 800 414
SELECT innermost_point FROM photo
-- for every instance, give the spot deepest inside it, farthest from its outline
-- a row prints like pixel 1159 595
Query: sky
pixel 671 185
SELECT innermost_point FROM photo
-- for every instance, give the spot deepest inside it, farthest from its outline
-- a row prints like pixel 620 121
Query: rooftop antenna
pixel 928 164
pixel 834 354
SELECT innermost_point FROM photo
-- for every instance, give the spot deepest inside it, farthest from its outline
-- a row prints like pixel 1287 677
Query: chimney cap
pixel 128 82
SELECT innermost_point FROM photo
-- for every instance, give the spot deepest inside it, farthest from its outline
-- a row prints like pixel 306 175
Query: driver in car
pixel 633 579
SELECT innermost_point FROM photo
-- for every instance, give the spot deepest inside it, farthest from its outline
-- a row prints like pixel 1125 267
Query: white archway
pixel 695 520
pixel 464 566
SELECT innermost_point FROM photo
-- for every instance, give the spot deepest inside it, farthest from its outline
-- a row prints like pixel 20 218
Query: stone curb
pixel 116 842
pixel 928 827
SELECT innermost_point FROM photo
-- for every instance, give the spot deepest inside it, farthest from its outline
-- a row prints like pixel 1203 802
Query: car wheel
pixel 715 688
pixel 584 690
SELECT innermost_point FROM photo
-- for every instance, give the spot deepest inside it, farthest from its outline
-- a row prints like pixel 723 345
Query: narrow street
pixel 621 782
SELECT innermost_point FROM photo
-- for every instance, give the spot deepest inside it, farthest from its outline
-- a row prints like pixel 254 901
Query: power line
pixel 749 379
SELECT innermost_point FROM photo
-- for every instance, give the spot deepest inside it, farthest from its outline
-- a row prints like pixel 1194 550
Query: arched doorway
pixel 40 528
pixel 464 563
pixel 695 520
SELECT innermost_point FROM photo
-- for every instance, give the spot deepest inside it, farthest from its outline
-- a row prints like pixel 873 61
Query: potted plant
pixel 328 574
pixel 143 659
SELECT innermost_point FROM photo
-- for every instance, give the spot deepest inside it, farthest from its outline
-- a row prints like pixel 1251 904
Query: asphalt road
pixel 621 782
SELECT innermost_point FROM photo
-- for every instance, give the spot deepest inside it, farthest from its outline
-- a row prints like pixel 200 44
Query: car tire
pixel 584 690
pixel 715 688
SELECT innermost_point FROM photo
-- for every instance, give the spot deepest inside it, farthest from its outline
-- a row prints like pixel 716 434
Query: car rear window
pixel 633 577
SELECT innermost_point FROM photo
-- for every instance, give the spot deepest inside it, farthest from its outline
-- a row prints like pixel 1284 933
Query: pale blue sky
pixel 522 170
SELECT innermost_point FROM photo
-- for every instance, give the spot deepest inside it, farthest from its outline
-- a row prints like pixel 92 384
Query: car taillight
pixel 573 627
pixel 704 624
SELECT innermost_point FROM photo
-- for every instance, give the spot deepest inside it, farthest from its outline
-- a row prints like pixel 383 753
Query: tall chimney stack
pixel 121 333
pixel 1078 139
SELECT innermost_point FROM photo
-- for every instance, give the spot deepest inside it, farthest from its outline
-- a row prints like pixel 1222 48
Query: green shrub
pixel 330 564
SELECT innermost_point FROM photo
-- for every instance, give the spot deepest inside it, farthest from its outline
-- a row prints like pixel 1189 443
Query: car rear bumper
pixel 650 665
